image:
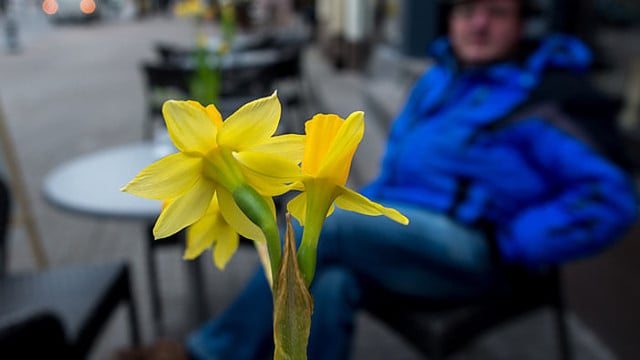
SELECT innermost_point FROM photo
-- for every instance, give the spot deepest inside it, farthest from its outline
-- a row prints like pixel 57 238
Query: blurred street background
pixel 73 85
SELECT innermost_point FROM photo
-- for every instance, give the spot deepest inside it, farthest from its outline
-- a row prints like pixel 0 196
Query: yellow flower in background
pixel 219 157
pixel 192 8
pixel 330 145
pixel 212 231
pixel 209 231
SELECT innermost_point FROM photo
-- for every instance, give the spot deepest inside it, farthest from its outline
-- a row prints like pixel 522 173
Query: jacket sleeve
pixel 592 205
pixel 425 87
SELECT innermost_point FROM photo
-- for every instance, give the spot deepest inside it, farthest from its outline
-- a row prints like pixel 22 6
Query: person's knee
pixel 338 232
pixel 336 284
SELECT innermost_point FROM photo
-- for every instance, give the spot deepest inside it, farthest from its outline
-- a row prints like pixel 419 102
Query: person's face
pixel 483 31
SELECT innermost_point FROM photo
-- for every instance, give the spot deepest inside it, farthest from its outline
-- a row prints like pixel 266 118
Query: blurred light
pixel 87 6
pixel 50 7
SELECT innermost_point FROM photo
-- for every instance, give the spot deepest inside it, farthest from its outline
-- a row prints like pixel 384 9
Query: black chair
pixel 275 61
pixel 289 75
pixel 80 299
pixel 439 330
pixel 17 334
pixel 176 53
pixel 164 81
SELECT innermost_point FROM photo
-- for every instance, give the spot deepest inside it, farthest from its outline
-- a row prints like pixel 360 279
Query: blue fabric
pixel 433 257
pixel 550 197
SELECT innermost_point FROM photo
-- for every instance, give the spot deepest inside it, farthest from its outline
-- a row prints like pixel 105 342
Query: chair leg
pixel 154 289
pixel 435 349
pixel 562 328
pixel 198 288
pixel 132 312
pixel 196 282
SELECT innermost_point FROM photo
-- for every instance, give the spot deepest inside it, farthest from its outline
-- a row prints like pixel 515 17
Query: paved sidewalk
pixel 77 89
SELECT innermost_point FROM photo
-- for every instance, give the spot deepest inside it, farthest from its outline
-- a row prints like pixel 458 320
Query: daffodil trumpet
pixel 320 197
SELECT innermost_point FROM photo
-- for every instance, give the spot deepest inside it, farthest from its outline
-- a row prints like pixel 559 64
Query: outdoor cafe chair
pixel 59 312
pixel 283 70
pixel 441 329
pixel 164 81
pixel 17 334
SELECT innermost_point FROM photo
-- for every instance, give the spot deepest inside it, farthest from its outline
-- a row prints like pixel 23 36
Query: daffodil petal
pixel 166 178
pixel 184 210
pixel 189 126
pixel 290 146
pixel 337 161
pixel 237 219
pixel 211 110
pixel 332 208
pixel 200 236
pixel 297 207
pixel 226 246
pixel 214 115
pixel 269 165
pixel 321 131
pixel 268 174
pixel 252 124
pixel 298 185
pixel 265 186
pixel 352 201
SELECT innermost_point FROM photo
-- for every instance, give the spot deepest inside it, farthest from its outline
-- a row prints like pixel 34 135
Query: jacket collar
pixel 556 51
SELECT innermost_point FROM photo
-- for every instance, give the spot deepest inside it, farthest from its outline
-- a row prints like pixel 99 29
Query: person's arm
pixel 594 206
pixel 429 86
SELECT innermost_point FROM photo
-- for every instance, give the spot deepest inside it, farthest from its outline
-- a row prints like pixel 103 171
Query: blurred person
pixel 494 163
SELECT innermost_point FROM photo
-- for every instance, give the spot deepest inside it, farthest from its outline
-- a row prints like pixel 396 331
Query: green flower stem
pixel 223 168
pixel 258 211
pixel 307 253
pixel 228 21
pixel 319 200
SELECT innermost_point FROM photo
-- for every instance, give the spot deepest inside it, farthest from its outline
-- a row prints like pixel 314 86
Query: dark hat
pixel 455 2
pixel 528 6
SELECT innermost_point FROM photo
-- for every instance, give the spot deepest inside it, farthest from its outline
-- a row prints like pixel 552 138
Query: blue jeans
pixel 433 257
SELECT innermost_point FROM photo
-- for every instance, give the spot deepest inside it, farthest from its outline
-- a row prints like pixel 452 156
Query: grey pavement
pixel 78 89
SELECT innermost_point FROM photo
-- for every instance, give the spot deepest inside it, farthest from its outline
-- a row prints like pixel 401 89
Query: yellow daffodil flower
pixel 239 159
pixel 331 143
pixel 192 8
pixel 212 231
pixel 209 231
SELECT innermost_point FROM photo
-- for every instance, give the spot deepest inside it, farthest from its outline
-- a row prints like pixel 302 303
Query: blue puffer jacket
pixel 549 196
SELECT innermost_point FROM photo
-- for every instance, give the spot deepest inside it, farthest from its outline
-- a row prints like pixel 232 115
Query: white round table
pixel 90 184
